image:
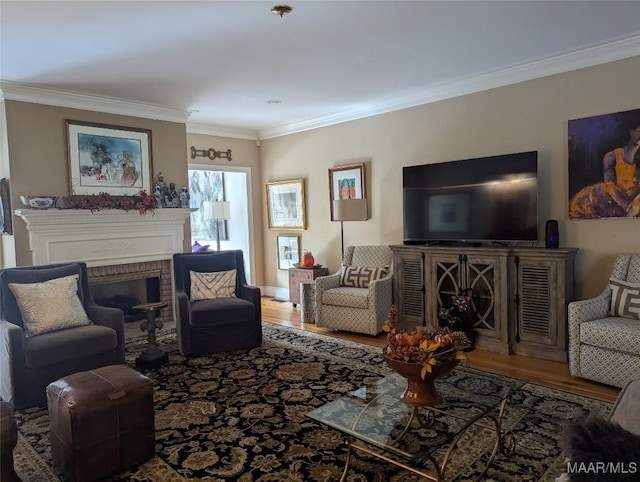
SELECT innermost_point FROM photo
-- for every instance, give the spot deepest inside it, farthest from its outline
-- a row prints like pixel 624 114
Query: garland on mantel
pixel 143 202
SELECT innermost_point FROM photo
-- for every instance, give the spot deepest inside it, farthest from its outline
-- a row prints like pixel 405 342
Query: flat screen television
pixel 472 201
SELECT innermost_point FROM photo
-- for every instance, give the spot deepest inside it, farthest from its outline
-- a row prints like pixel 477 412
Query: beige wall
pixel 37 154
pixel 528 116
pixel 244 153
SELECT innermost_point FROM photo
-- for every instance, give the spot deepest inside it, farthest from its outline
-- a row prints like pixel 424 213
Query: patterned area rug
pixel 240 416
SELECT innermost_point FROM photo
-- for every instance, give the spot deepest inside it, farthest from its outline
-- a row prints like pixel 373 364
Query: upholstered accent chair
pixel 596 439
pixel 359 296
pixel 37 350
pixel 217 310
pixel 604 332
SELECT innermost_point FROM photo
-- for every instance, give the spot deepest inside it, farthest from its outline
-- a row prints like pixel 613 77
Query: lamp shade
pixel 350 210
pixel 216 210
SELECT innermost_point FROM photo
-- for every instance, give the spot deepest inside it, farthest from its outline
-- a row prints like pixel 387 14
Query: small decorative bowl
pixel 39 202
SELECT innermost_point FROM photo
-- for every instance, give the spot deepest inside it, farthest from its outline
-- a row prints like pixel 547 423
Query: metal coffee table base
pixel 504 442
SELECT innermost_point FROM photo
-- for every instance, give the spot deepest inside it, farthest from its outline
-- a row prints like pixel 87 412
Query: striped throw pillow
pixel 210 286
pixel 625 299
pixel 360 277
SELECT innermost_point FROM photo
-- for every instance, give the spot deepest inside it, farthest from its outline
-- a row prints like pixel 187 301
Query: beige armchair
pixel 359 296
pixel 605 346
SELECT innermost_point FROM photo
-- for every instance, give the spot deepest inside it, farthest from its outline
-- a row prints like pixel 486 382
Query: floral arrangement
pixel 426 348
pixel 143 202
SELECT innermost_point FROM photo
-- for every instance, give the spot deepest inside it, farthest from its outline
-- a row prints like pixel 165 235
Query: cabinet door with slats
pixel 408 282
pixel 535 307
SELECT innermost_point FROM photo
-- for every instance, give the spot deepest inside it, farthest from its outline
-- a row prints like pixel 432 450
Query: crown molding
pixel 77 100
pixel 591 56
pixel 566 62
pixel 221 131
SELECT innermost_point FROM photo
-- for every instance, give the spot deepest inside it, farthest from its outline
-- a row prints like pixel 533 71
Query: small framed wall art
pixel 285 205
pixel 288 251
pixel 346 182
pixel 107 158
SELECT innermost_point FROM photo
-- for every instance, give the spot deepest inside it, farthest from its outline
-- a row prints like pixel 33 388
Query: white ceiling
pixel 328 61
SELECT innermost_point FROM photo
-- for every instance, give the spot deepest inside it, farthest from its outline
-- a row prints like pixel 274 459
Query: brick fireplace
pixel 118 246
pixel 132 279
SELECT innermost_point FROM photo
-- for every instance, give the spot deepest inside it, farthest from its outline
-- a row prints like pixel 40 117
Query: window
pixel 206 185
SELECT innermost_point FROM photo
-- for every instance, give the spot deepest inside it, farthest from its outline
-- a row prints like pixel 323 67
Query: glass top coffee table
pixel 377 422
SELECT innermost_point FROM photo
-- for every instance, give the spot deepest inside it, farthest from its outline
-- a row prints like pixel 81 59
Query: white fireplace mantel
pixel 103 238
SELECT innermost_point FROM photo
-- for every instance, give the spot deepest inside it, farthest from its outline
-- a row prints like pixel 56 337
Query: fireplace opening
pixel 124 291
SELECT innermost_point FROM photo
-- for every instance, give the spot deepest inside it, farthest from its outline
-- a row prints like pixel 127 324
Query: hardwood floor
pixel 541 372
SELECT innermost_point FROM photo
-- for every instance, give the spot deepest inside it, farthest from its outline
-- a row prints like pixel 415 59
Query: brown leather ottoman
pixel 8 440
pixel 102 422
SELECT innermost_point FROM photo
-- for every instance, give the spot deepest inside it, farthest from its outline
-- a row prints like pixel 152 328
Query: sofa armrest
pixel 324 283
pixel 381 298
pixel 589 310
pixel 381 287
pixel 580 312
pixel 625 410
pixel 182 309
pixel 105 316
pixel 109 317
pixel 12 361
pixel 183 333
pixel 250 293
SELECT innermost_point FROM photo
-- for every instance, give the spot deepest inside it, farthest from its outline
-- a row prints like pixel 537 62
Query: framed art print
pixel 346 182
pixel 285 204
pixel 106 158
pixel 604 166
pixel 288 251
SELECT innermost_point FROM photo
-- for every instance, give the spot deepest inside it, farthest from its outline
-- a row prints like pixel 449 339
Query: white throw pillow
pixel 50 306
pixel 625 299
pixel 360 277
pixel 210 286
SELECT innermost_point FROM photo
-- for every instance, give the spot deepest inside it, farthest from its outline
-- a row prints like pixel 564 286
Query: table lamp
pixel 216 211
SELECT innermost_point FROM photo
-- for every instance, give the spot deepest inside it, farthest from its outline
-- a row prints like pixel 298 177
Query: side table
pixel 298 275
pixel 152 356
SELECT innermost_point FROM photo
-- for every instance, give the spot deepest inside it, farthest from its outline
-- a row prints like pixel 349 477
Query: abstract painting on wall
pixel 604 166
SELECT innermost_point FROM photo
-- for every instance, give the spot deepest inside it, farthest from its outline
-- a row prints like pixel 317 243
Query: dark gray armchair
pixel 221 324
pixel 29 364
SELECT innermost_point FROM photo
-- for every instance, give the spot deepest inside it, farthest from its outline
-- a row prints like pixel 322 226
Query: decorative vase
pixel 421 392
pixel 307 259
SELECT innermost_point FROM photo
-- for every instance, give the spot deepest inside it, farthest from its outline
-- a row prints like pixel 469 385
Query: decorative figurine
pixel 171 198
pixel 184 197
pixel 159 198
pixel 161 191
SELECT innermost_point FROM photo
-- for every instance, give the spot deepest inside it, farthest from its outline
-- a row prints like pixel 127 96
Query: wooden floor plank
pixel 541 372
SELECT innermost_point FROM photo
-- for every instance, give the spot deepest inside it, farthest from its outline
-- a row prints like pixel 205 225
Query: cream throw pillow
pixel 210 286
pixel 50 306
pixel 625 299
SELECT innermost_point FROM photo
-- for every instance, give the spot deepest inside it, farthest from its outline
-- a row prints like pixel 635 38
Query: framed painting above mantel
pixel 107 158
